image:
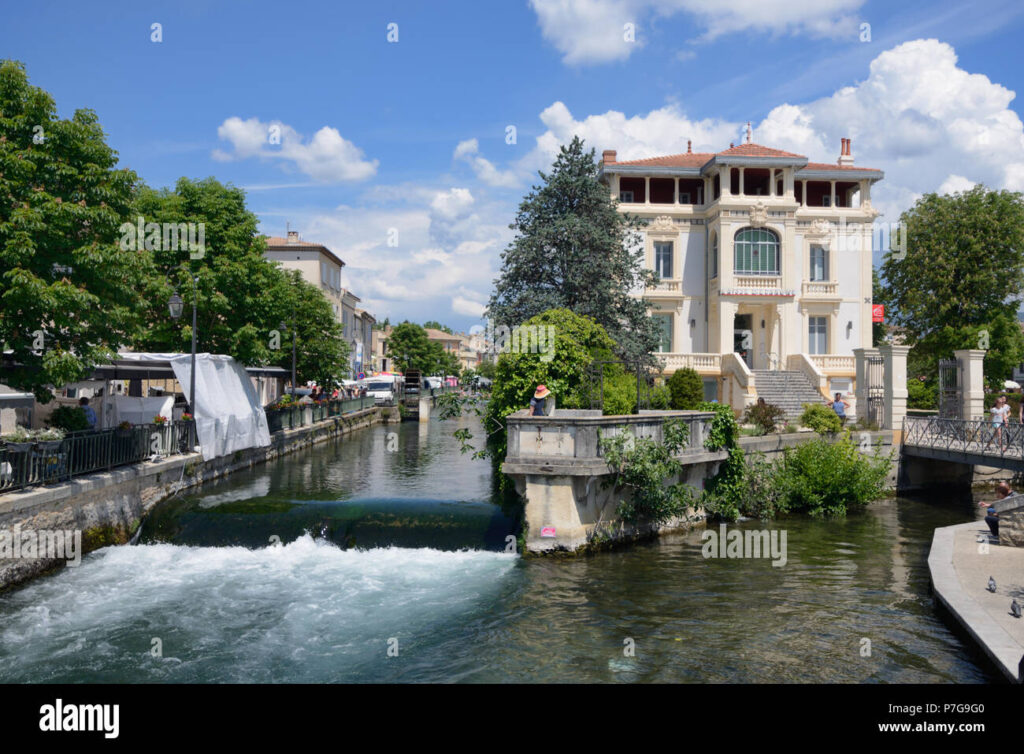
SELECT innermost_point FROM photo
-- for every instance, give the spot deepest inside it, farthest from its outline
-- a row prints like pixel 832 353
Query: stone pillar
pixel 972 395
pixel 860 360
pixel 895 358
pixel 424 409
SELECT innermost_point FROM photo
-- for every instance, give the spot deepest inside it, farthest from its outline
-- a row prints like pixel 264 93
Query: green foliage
pixel 573 250
pixel 642 466
pixel 820 418
pixel 765 416
pixel 830 478
pixel 243 297
pixel 619 392
pixel 487 369
pixel 960 283
pixel 409 348
pixel 63 199
pixel 660 397
pixel 722 493
pixel 723 429
pixel 922 395
pixel 578 342
pixel 687 389
pixel 68 418
pixel 434 325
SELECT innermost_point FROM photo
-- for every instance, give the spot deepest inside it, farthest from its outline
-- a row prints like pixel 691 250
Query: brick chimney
pixel 846 152
pixel 608 156
pixel 293 236
pixel 689 146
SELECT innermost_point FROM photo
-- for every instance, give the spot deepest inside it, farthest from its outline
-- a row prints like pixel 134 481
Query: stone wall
pixel 1011 520
pixel 107 508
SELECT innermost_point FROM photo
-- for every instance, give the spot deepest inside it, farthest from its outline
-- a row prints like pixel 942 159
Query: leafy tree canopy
pixel 435 325
pixel 573 250
pixel 961 280
pixel 68 292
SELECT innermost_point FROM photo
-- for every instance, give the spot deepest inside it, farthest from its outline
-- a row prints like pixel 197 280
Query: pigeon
pixel 1015 609
pixel 991 584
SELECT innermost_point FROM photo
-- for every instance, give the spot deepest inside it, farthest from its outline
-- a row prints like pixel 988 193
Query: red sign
pixel 877 313
pixel 547 531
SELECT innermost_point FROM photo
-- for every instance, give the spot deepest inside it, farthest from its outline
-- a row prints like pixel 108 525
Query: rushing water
pixel 404 550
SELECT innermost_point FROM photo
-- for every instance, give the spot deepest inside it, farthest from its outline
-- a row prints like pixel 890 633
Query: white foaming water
pixel 304 612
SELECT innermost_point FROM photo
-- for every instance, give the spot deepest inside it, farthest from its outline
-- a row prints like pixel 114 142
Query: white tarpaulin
pixel 227 413
pixel 136 410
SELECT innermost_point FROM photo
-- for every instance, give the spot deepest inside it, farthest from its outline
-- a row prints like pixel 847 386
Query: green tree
pixel 68 292
pixel 243 296
pixel 961 279
pixel 687 389
pixel 435 325
pixel 573 250
pixel 409 348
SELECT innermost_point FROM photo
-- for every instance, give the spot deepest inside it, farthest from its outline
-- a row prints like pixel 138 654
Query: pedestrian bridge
pixel 968 442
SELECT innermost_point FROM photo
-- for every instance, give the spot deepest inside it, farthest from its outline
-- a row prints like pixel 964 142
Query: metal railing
pixel 47 462
pixel 306 414
pixel 968 436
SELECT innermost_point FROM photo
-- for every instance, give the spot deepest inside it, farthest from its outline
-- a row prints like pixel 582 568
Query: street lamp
pixel 285 329
pixel 176 306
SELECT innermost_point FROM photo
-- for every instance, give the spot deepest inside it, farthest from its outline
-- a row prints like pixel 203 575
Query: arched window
pixel 756 252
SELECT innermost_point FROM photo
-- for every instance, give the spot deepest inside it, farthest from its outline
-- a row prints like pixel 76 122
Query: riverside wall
pixel 107 508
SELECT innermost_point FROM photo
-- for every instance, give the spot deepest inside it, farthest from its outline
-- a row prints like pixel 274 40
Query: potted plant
pixel 159 419
pixel 49 439
pixel 19 441
pixel 124 429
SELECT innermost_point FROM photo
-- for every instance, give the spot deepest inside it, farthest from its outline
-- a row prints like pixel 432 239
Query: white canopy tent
pixel 227 411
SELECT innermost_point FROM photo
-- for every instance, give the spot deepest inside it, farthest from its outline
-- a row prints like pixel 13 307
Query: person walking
pixel 1000 414
pixel 839 406
pixel 90 415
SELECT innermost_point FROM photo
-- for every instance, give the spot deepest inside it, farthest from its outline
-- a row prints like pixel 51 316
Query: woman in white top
pixel 1000 416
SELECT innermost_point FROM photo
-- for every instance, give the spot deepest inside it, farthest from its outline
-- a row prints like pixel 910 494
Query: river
pixel 381 557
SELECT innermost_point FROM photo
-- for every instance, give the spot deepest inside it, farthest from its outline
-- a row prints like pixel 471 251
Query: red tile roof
pixel 699 159
pixel 276 243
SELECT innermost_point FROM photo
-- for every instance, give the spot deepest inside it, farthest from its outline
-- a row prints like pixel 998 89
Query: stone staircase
pixel 787 390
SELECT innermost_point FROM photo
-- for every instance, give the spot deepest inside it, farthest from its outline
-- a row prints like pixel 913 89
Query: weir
pixel 559 468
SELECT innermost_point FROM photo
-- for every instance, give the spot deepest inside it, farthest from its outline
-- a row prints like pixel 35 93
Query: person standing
pixel 538 403
pixel 839 406
pixel 90 415
pixel 1000 414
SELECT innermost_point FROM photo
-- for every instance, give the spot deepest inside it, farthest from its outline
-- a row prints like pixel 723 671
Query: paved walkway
pixel 960 567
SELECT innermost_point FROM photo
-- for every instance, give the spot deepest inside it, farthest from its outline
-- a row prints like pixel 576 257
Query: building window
pixel 818 334
pixel 323 273
pixel 664 322
pixel 663 259
pixel 756 252
pixel 819 263
pixel 826 200
pixel 714 255
pixel 626 197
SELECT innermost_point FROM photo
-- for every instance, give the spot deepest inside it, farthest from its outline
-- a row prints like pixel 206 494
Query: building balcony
pixel 755 285
pixel 665 288
pixel 824 289
pixel 832 364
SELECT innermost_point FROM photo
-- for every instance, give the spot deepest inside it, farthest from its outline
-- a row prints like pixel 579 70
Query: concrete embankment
pixel 107 508
pixel 961 561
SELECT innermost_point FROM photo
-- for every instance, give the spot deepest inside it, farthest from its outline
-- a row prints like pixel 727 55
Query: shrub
pixel 68 418
pixel 687 389
pixel 764 415
pixel 660 397
pixel 723 492
pixel 619 393
pixel 820 418
pixel 822 477
pixel 921 395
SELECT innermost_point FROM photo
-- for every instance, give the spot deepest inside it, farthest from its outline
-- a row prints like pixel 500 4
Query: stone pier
pixel 558 467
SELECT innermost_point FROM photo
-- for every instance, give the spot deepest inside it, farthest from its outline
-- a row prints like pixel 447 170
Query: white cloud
pixel 592 31
pixel 326 158
pixel 956 183
pixel 467 307
pixel 469 151
pixel 452 204
pixel 929 124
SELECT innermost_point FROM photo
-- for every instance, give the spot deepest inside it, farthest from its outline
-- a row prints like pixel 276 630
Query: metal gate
pixel 950 389
pixel 876 390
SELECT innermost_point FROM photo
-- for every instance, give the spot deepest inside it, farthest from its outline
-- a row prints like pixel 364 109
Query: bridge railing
pixel 969 436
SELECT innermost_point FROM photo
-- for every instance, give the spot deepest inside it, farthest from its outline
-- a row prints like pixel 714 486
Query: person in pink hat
pixel 538 403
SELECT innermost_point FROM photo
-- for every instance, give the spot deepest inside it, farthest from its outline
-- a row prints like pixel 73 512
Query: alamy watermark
pixel 747 543
pixel 51 544
pixel 164 237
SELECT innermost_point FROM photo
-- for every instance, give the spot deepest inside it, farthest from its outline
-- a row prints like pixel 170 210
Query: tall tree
pixel 435 325
pixel 409 348
pixel 68 292
pixel 575 250
pixel 961 279
pixel 243 297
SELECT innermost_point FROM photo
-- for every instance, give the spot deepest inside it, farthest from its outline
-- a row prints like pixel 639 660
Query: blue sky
pixel 410 135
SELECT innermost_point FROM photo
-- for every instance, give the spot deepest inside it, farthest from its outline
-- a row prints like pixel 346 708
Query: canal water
pixel 381 557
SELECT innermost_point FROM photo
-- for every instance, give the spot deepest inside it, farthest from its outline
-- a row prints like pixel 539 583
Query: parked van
pixel 385 389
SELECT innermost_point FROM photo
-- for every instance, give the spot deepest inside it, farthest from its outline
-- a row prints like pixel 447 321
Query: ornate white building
pixel 764 262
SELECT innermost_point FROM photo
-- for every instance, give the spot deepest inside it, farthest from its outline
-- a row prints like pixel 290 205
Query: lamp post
pixel 176 306
pixel 285 328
